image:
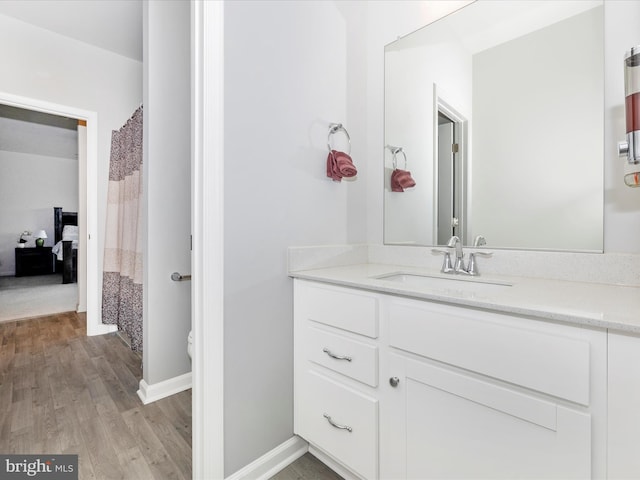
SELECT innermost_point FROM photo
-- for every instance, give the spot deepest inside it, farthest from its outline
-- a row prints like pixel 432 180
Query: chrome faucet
pixel 458 266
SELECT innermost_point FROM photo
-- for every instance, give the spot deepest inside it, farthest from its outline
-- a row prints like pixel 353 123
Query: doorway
pixel 39 160
pixel 87 217
pixel 451 174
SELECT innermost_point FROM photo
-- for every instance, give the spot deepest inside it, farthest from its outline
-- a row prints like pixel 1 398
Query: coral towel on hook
pixel 339 164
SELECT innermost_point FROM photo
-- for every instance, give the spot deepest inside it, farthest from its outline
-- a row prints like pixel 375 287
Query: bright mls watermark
pixel 50 467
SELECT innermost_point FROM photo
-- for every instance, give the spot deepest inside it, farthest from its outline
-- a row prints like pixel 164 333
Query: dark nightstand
pixel 34 261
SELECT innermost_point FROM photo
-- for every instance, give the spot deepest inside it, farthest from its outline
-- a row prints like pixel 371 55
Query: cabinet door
pixel 441 423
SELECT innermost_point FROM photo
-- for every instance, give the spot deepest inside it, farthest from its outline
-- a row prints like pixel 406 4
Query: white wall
pixel 167 186
pixel 285 82
pixel 30 186
pixel 42 65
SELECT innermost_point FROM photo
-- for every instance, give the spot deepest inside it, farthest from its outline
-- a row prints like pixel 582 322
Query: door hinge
pixel 454 148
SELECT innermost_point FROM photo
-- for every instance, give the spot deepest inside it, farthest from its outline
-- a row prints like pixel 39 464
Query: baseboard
pixel 100 329
pixel 272 462
pixel 151 393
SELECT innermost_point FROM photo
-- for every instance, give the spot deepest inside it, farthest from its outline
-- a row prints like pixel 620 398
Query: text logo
pixel 49 467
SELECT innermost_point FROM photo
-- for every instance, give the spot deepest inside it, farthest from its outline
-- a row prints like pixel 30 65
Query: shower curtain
pixel 122 277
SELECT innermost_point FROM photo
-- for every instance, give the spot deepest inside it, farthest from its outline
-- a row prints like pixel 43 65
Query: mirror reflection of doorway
pixel 451 175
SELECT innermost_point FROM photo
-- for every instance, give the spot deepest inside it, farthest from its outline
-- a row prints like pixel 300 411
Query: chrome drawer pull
pixel 336 425
pixel 337 357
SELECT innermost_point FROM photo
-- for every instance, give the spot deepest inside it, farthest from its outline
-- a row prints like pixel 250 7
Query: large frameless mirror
pixel 494 127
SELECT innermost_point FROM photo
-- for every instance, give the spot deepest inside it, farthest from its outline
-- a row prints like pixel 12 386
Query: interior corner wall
pixel 45 66
pixel 30 186
pixel 166 189
pixel 285 82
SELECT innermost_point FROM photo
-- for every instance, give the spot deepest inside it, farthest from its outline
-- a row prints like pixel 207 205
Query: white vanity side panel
pixel 363 363
pixel 495 345
pixel 624 406
pixel 351 310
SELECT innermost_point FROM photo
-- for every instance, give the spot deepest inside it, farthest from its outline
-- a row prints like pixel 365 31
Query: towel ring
pixel 337 127
pixel 395 151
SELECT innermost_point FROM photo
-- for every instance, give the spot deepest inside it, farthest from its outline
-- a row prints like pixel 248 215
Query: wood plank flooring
pixel 64 392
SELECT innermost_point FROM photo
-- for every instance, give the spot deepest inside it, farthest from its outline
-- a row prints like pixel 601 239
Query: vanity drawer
pixel 322 401
pixel 355 359
pixel 338 307
pixel 499 346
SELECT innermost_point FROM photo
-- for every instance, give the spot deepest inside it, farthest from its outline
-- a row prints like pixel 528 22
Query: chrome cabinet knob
pixel 394 381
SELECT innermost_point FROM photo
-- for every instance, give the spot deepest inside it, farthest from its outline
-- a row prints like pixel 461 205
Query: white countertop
pixel 612 307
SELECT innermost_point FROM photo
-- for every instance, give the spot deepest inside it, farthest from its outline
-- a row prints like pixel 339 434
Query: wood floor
pixel 63 392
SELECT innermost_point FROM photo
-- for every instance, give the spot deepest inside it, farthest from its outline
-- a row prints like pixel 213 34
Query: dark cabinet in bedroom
pixel 34 261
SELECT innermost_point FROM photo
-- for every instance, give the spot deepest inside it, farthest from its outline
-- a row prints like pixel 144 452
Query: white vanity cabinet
pixel 624 406
pixel 485 395
pixel 393 388
pixel 336 373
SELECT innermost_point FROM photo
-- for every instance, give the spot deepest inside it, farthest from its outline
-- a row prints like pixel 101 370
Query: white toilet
pixel 190 344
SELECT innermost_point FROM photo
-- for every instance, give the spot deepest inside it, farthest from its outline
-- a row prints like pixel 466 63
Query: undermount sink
pixel 467 284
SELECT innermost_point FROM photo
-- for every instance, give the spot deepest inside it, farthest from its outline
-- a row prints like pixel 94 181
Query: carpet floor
pixel 24 297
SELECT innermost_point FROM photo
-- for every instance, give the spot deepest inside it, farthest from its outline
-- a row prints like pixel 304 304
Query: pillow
pixel 70 232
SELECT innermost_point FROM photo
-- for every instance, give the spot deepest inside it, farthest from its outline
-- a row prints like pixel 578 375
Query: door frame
pixel 207 220
pixel 94 324
pixel 441 105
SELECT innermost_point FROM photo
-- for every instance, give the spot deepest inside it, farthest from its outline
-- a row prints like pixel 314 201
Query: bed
pixel 65 225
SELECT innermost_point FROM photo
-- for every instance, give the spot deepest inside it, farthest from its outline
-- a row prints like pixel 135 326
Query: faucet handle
pixel 472 268
pixel 447 266
pixel 479 241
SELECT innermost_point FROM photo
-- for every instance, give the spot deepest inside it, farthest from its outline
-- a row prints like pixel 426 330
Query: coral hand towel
pixel 340 165
pixel 401 179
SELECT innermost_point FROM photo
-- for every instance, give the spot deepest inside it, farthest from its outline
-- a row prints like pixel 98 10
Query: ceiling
pixel 114 25
pixel 36 133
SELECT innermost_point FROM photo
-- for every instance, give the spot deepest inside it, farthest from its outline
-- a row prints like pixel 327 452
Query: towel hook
pixel 337 127
pixel 395 151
